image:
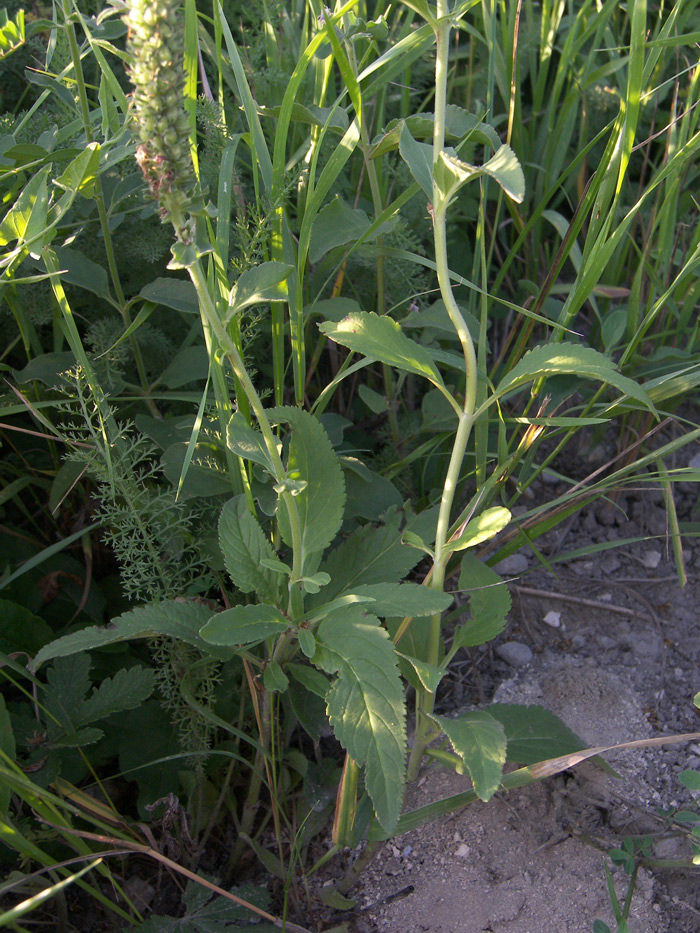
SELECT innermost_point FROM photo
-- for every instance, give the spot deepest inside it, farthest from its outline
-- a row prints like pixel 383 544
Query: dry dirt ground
pixel 532 861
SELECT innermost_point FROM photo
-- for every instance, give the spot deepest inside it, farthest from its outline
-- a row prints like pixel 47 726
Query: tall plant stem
pixel 212 319
pixel 101 209
pixel 425 699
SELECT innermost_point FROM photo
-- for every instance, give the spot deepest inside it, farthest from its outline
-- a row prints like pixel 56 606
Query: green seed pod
pixel 156 42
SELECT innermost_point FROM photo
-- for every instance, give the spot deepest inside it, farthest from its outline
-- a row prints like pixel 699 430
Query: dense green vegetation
pixel 299 305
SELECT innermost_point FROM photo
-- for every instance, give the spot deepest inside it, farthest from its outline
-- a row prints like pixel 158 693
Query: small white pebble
pixel 462 850
pixel 553 618
pixel 651 559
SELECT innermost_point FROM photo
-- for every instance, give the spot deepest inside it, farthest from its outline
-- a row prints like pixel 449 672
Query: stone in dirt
pixel 515 653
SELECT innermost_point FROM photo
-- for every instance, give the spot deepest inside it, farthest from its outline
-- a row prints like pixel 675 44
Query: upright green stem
pixel 425 700
pixel 100 202
pixel 212 319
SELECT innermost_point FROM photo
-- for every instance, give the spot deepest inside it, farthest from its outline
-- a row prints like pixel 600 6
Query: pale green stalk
pixel 212 320
pixel 425 700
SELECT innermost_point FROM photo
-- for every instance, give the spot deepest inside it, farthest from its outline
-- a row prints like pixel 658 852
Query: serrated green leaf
pixel 484 526
pixel 372 554
pixel 312 460
pixel 381 338
pixel 534 733
pixel 489 603
pixel 244 545
pixel 173 618
pixel 68 681
pixel 337 224
pixel 558 358
pixel 266 282
pixel 403 599
pixel 366 704
pixel 479 740
pixel 127 689
pixel 419 158
pixel 244 625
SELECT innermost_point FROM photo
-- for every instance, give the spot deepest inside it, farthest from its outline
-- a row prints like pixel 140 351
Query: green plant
pixel 210 497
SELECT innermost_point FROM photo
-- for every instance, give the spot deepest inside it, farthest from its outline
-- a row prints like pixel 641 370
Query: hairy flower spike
pixel 156 41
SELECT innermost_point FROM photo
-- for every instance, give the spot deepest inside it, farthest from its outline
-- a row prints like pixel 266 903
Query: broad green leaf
pixel 244 545
pixel 337 224
pixel 274 678
pixel 373 400
pixel 419 673
pixel 178 294
pixel 366 704
pixel 332 309
pixel 479 740
pixel 558 358
pixel 403 599
pixel 372 554
pixel 369 494
pixel 47 368
pixel 69 680
pixel 206 472
pixel 451 173
pixel 459 123
pixel 312 460
pixel 689 779
pixel 266 282
pixel 78 270
pixel 335 117
pixel 27 217
pixel 419 158
pixel 381 338
pixel 314 681
pixel 246 442
pixel 21 630
pixel 179 619
pixel 534 734
pixel 484 526
pixel 79 175
pixel 244 625
pixel 188 365
pixel 127 689
pixel 489 603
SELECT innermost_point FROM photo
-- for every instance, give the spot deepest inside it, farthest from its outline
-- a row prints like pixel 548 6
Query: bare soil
pixel 532 861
